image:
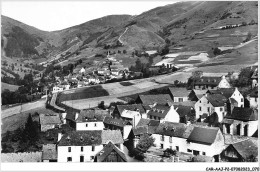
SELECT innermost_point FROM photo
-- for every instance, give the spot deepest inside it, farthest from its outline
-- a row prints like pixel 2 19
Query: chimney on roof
pixel 76 115
pixel 155 104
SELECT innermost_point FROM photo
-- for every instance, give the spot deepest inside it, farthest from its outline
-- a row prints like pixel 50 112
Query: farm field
pixel 8 87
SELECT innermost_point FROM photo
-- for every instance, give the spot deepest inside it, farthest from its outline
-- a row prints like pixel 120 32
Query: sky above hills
pixel 61 14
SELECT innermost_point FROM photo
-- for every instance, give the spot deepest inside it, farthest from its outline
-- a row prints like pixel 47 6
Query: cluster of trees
pixel 26 137
pixel 244 78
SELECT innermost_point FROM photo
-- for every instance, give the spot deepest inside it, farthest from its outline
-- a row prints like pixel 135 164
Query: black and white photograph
pixel 127 85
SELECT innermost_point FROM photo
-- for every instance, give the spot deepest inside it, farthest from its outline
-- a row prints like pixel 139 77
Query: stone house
pixel 211 83
pixel 83 146
pixel 49 121
pixel 179 94
pixel 162 99
pixel 241 121
pixel 209 104
pixel 253 99
pixel 118 124
pixel 163 113
pixel 110 153
pixel 242 151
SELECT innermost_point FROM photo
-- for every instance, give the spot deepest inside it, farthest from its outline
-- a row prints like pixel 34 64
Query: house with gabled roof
pixel 90 119
pixel 253 98
pixel 209 104
pixel 195 95
pixel 254 78
pixel 179 94
pixel 241 121
pixel 49 121
pixel 162 99
pixel 83 146
pixel 172 135
pixel 232 94
pixel 110 153
pixel 211 83
pixel 163 113
pixel 117 113
pixel 207 141
pixel 241 151
pixel 118 124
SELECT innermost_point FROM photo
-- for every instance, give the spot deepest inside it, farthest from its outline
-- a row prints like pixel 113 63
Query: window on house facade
pixel 189 150
pixel 69 149
pixel 255 99
pixel 91 157
pixel 180 99
pixel 161 146
pixel 200 101
pixel 200 108
pixel 203 153
pixel 162 138
pixel 69 159
pixel 170 139
pixel 220 109
pixel 93 148
pixel 242 100
pixel 208 102
pixel 81 148
pixel 86 125
pixel 177 148
pixel 95 124
pixel 208 109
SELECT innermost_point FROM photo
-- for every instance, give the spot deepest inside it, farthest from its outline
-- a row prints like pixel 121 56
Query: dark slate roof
pixel 184 110
pixel 112 135
pixel 158 98
pixel 147 122
pixel 146 107
pixel 185 103
pixel 101 156
pixel 232 101
pixel 179 92
pixel 113 121
pixel 227 92
pixel 132 107
pixel 244 114
pixel 159 111
pixel 205 135
pixel 207 80
pixel 216 100
pixel 246 148
pixel 90 115
pixel 71 113
pixel 81 138
pixel 171 129
pixel 144 130
pixel 49 152
pixel 48 119
pixel 254 93
pixel 199 93
pixel 231 139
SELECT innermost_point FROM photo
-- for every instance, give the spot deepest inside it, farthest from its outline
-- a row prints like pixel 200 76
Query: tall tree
pixel 145 142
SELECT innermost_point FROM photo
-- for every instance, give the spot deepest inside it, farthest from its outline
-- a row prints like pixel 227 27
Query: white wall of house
pixel 210 150
pixel 76 152
pixel 126 131
pixel 171 116
pixel 238 97
pixel 254 83
pixel 81 126
pixel 175 143
pixel 253 102
pixel 204 106
pixel 224 83
pixel 180 99
pixel 252 126
pixel 136 116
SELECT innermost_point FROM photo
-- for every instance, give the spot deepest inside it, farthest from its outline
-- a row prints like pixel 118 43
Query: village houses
pixel 49 121
pixel 179 94
pixel 211 83
pixel 209 104
pixel 83 146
